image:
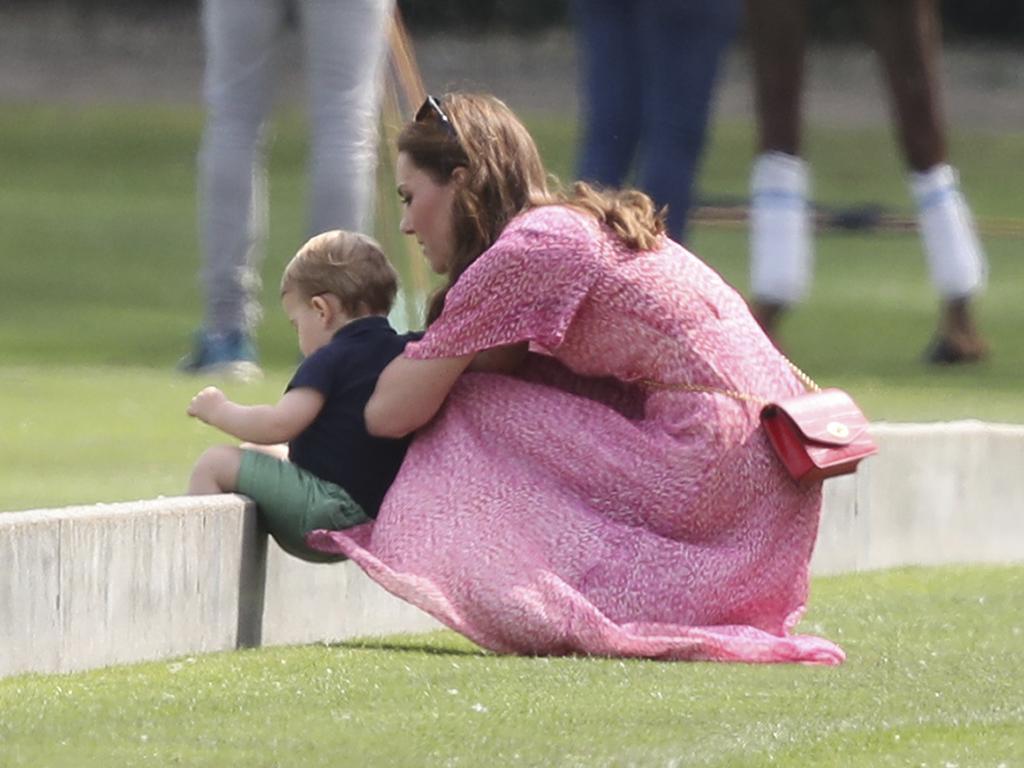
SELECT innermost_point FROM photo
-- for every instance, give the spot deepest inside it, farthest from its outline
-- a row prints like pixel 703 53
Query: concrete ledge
pixel 934 494
pixel 85 587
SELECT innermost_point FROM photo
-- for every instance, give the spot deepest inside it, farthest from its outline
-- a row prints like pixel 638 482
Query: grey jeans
pixel 345 44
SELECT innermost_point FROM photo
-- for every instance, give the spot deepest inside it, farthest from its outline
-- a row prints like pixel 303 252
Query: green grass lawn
pixel 99 289
pixel 934 677
pixel 99 296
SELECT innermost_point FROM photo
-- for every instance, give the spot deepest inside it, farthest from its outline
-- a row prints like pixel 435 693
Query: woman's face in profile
pixel 426 212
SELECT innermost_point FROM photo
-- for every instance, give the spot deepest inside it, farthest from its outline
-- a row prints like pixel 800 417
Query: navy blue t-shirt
pixel 336 447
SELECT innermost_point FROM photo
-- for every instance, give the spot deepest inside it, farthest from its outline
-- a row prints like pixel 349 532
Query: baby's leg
pixel 216 471
pixel 279 450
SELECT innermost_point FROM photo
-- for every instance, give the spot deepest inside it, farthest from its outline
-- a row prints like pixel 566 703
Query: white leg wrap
pixel 956 261
pixel 781 252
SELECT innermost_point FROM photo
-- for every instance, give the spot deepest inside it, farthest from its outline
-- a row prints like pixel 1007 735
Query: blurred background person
pixel 648 71
pixel 344 41
pixel 906 35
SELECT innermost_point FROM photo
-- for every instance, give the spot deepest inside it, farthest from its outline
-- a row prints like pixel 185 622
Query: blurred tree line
pixel 832 20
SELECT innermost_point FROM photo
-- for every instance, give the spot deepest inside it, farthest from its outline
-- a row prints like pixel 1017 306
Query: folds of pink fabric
pixel 568 509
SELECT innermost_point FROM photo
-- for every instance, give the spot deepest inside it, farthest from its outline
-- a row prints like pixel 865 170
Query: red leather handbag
pixel 819 434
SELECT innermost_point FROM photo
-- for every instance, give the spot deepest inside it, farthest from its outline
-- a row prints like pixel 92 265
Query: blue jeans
pixel 345 43
pixel 649 70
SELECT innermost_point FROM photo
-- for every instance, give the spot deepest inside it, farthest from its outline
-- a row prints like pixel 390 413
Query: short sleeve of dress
pixel 527 287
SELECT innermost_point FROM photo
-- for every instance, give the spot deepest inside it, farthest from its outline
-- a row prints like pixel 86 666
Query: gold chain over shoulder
pixel 806 380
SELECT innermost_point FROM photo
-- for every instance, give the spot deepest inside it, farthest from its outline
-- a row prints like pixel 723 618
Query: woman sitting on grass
pixel 568 490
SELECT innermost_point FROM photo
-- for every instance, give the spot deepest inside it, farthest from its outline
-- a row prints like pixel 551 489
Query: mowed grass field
pixel 934 677
pixel 99 296
pixel 99 288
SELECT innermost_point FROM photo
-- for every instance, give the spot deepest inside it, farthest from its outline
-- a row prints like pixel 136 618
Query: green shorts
pixel 292 502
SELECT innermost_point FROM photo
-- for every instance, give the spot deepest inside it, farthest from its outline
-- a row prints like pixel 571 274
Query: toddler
pixel 337 292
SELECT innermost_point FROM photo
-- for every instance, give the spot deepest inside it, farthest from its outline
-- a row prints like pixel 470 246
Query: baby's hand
pixel 205 403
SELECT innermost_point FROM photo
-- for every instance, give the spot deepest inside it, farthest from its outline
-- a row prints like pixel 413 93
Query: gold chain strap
pixel 806 380
pixel 700 388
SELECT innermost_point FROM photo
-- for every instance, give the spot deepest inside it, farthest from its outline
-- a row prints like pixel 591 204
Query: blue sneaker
pixel 230 354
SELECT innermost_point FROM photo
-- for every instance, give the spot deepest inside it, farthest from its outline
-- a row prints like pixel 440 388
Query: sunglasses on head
pixel 431 110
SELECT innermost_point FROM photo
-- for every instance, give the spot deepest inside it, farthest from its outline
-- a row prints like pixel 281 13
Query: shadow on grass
pixel 410 646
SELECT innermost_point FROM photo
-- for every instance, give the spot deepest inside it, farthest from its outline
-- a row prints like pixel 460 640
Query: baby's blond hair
pixel 349 265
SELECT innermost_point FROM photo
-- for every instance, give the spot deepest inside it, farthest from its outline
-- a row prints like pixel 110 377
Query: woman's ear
pixel 460 176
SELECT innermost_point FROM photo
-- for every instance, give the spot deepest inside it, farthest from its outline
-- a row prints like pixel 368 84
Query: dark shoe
pixel 957 340
pixel 230 354
pixel 947 350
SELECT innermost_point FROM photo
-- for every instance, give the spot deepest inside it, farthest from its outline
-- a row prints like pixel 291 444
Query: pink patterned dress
pixel 578 508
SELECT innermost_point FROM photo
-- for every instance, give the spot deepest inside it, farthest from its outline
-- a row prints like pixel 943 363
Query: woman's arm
pixel 264 424
pixel 409 392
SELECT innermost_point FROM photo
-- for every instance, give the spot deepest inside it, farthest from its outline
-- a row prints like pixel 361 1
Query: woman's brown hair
pixel 504 177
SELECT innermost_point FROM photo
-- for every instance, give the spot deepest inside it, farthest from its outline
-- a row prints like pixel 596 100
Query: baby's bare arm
pixel 263 424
